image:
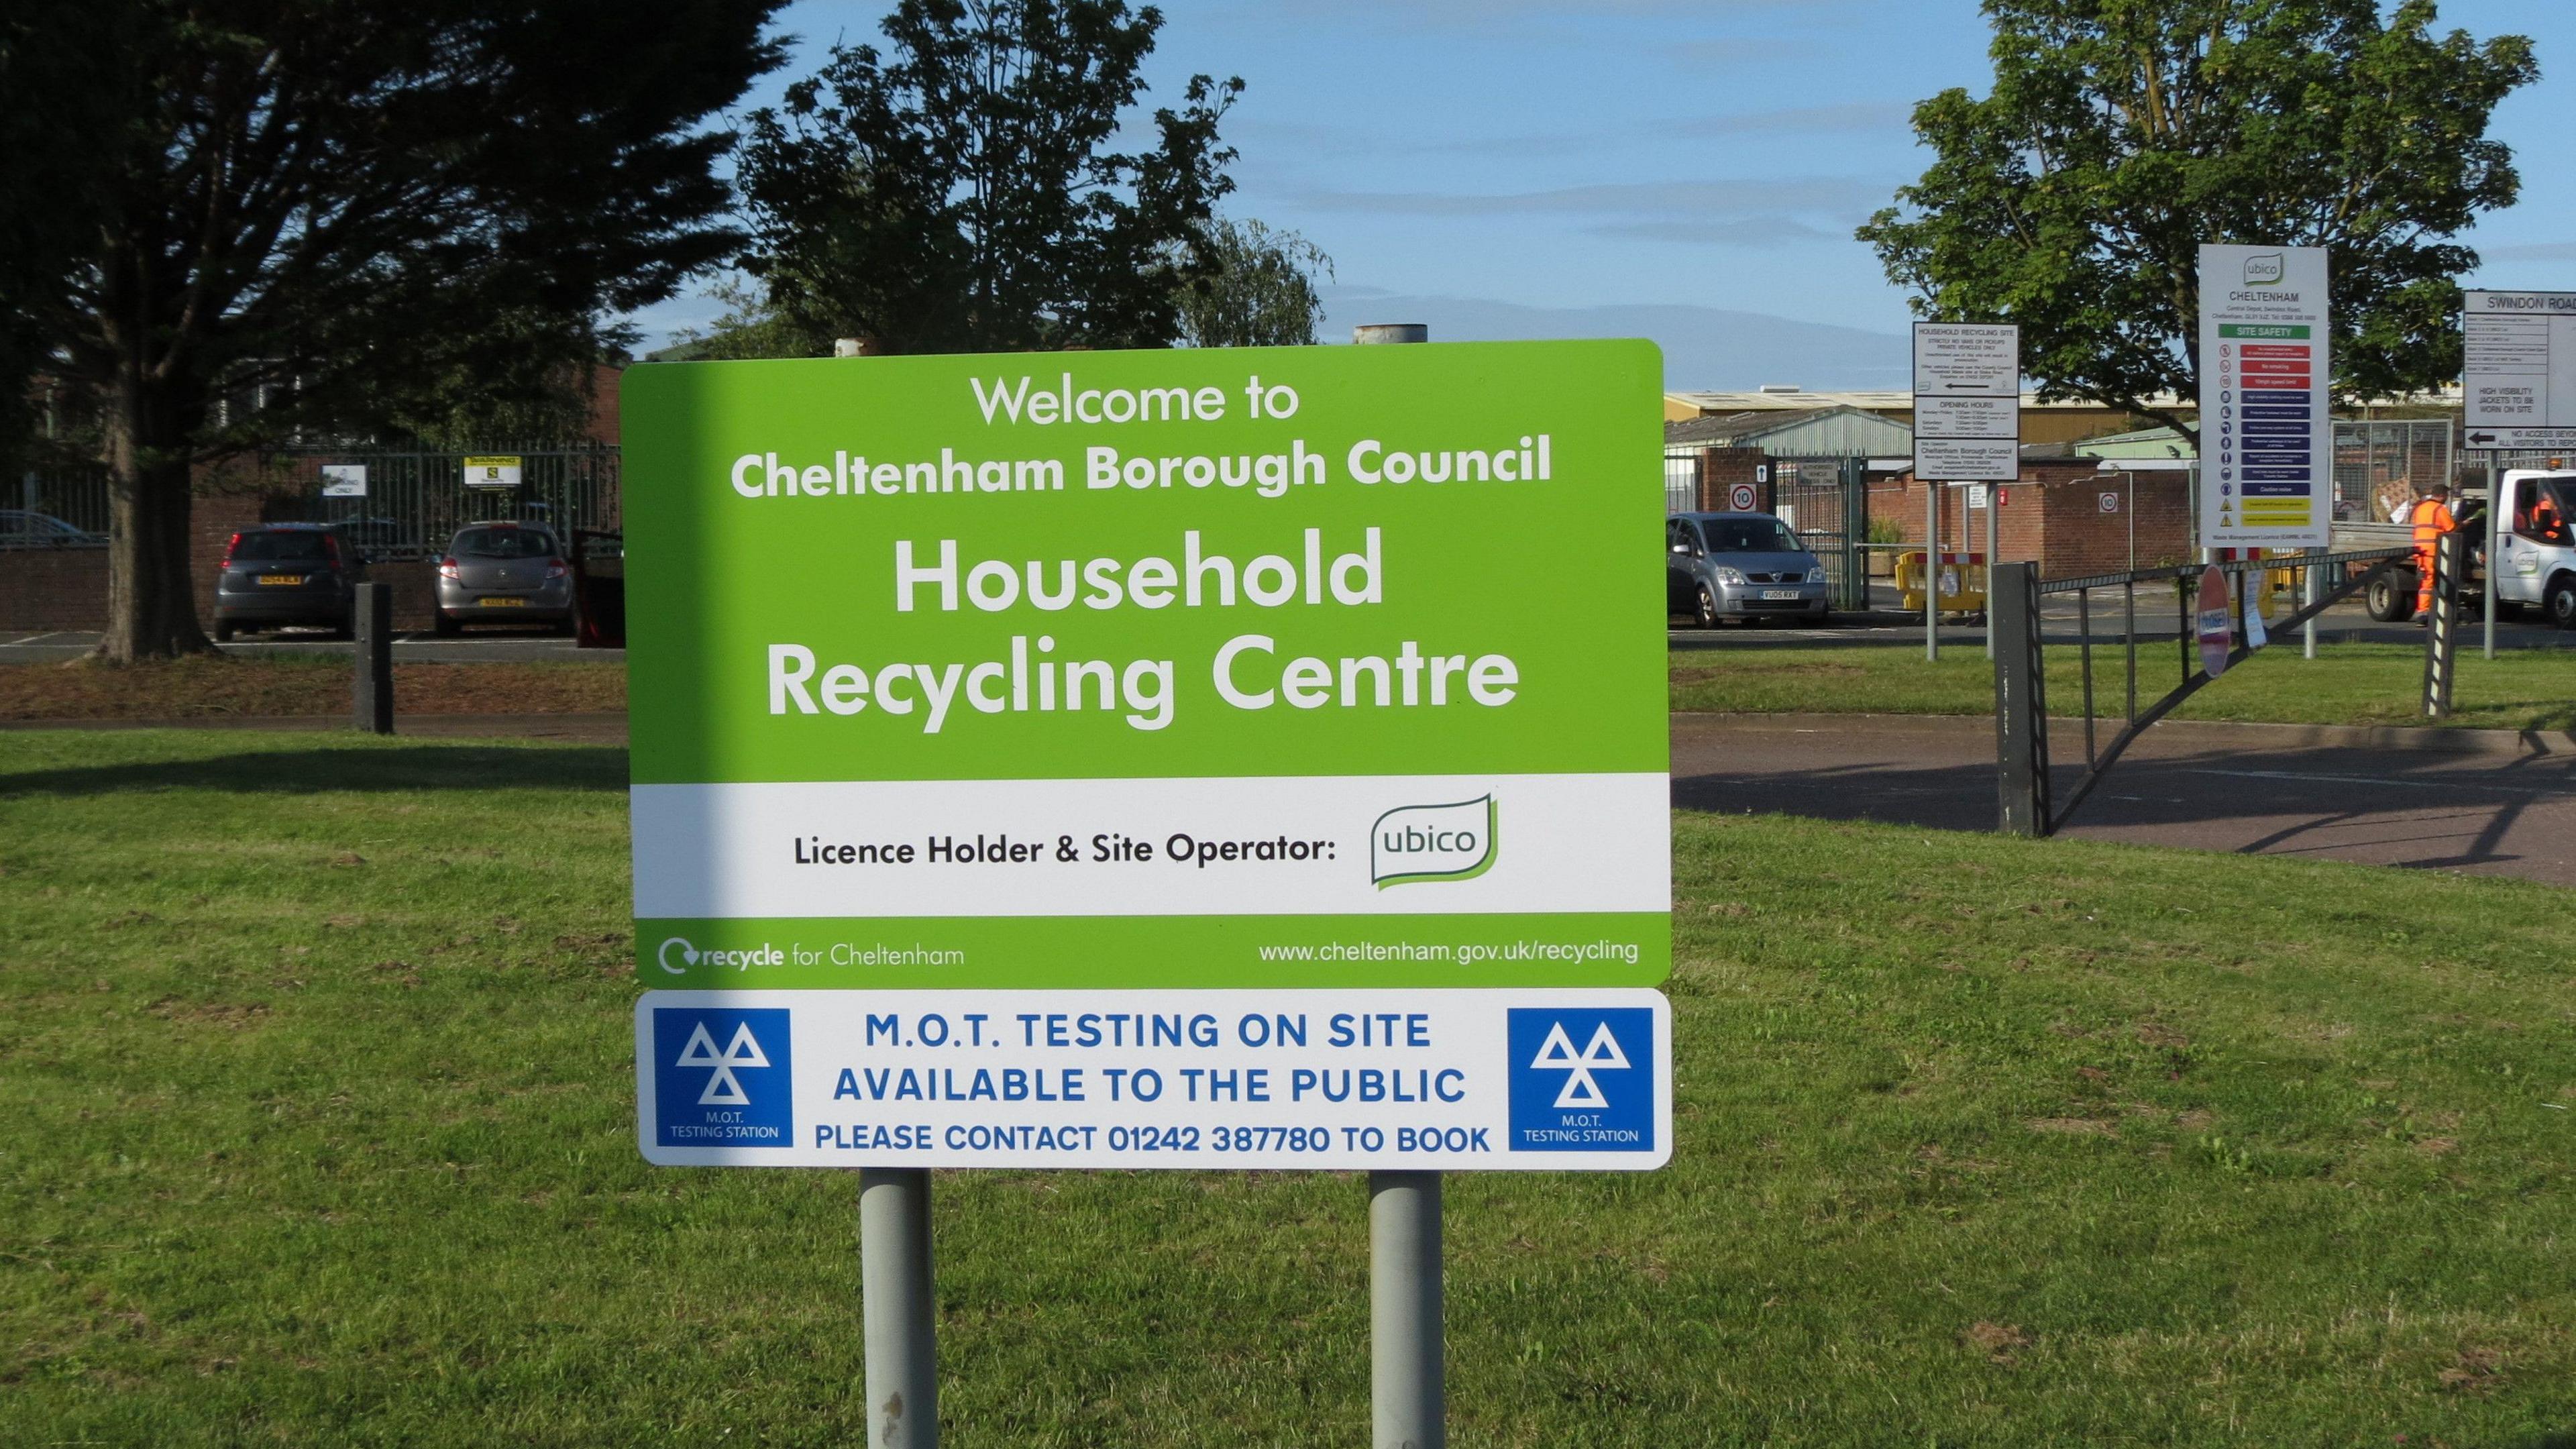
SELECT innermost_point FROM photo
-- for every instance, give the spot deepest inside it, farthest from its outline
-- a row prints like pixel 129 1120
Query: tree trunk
pixel 151 588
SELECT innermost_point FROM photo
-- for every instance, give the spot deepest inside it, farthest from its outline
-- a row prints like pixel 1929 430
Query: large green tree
pixel 964 191
pixel 321 214
pixel 2121 134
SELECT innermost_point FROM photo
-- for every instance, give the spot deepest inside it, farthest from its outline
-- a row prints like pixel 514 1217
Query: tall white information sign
pixel 2521 369
pixel 2266 435
pixel 1967 402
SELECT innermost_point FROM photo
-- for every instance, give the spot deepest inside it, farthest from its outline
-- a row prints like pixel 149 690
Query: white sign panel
pixel 1967 417
pixel 1945 460
pixel 344 480
pixel 1967 359
pixel 2520 375
pixel 1455 1080
pixel 2266 434
pixel 495 472
pixel 1967 402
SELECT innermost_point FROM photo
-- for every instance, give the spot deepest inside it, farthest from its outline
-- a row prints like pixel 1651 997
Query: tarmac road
pixel 474 647
pixel 2255 789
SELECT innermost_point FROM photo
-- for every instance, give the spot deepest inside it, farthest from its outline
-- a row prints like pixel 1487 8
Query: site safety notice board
pixel 1276 732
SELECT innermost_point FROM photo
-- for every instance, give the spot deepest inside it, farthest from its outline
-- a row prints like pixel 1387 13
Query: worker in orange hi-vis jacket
pixel 2431 517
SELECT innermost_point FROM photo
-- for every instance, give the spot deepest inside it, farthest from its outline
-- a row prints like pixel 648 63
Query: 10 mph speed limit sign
pixel 1742 498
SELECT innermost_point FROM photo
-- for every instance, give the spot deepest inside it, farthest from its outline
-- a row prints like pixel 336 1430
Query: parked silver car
pixel 504 573
pixel 1739 566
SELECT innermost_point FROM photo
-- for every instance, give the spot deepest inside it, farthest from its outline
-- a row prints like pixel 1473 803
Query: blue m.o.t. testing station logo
pixel 721 1077
pixel 1582 1080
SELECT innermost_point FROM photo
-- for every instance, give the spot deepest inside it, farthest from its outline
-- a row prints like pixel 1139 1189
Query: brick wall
pixel 47 589
pixel 1720 469
pixel 2053 514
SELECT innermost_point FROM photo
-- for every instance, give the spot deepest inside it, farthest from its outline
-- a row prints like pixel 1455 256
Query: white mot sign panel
pixel 2520 369
pixel 1465 1079
pixel 2266 435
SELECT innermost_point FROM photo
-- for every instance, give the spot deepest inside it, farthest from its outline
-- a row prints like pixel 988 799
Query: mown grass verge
pixel 318 1058
pixel 2346 684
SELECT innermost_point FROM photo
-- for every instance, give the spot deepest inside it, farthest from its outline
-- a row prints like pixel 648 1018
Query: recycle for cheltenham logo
pixel 721 1077
pixel 1594 1097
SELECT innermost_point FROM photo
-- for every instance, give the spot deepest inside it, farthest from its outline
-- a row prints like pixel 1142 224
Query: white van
pixel 2536 550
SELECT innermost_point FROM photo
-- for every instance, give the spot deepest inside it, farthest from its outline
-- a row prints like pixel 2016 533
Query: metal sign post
pixel 2514 395
pixel 1967 429
pixel 898 1307
pixel 1408 1404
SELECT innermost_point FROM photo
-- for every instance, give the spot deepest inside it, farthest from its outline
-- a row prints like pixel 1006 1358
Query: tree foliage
pixel 961 191
pixel 367 215
pixel 1257 290
pixel 2120 135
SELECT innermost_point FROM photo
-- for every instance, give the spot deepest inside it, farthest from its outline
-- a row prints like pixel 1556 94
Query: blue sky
pixel 1688 170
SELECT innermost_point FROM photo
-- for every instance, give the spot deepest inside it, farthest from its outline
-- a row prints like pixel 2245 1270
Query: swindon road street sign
pixel 2520 377
pixel 1154 672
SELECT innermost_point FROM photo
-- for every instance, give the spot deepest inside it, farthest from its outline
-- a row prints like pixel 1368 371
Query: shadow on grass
pixel 309 772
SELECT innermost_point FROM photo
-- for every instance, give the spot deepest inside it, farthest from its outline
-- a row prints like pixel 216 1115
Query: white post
pixel 1407 1393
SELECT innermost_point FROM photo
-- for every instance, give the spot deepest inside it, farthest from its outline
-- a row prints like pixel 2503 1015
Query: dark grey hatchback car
pixel 1721 566
pixel 287 573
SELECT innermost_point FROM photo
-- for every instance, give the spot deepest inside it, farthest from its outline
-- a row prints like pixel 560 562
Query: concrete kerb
pixel 2216 734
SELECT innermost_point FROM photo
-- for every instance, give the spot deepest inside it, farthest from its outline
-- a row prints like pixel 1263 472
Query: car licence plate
pixel 503 603
pixel 1779 593
pixel 289 579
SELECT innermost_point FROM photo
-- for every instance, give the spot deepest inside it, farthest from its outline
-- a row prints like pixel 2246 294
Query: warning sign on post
pixel 2266 436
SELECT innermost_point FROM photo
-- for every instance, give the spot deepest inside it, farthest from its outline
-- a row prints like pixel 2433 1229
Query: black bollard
pixel 372 685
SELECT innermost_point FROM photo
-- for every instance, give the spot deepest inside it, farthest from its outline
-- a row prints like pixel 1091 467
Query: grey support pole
pixel 1407 1404
pixel 372 679
pixel 2312 583
pixel 1931 571
pixel 1994 496
pixel 895 1295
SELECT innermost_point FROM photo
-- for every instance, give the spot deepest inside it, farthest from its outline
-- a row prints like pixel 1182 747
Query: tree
pixel 2122 134
pixel 1258 289
pixel 960 193
pixel 67 95
pixel 342 208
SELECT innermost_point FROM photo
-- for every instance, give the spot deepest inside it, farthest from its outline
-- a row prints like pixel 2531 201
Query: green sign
pixel 1245 667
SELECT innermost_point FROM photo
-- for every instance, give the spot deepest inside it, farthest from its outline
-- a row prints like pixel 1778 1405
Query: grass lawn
pixel 210 687
pixel 318 1059
pixel 2520 689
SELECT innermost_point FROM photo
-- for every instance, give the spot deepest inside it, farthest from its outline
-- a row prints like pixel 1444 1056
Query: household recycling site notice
pixel 1453 1080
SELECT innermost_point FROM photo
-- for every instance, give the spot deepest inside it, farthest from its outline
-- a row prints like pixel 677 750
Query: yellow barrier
pixel 1962 581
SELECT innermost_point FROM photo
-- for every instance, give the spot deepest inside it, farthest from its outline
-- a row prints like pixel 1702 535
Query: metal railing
pixel 415 497
pixel 2021 706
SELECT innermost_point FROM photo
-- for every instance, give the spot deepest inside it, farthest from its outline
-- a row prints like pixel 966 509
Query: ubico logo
pixel 1455 841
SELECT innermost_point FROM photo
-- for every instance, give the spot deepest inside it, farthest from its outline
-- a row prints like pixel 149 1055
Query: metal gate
pixel 1823 500
pixel 417 499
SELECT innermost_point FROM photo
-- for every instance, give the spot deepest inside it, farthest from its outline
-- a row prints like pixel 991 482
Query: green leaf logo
pixel 1456 841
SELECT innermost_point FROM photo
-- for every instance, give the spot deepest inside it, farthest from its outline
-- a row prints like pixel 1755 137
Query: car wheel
pixel 1704 609
pixel 223 631
pixel 2559 604
pixel 445 627
pixel 2392 598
